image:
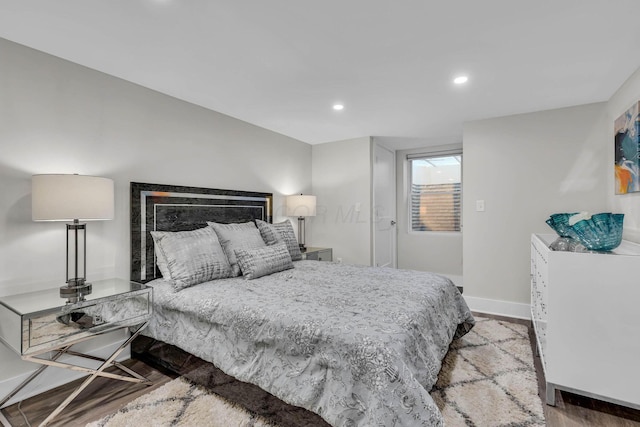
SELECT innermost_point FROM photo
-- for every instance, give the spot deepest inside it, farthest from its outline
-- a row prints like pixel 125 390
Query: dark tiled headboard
pixel 175 208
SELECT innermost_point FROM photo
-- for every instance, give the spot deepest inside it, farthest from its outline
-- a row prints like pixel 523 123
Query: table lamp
pixel 301 206
pixel 73 198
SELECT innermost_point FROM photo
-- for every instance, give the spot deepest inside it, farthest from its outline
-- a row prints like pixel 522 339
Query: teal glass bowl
pixel 560 224
pixel 603 232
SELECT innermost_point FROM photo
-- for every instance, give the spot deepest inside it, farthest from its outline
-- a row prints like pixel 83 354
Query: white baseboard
pixel 492 306
pixel 53 377
pixel 497 307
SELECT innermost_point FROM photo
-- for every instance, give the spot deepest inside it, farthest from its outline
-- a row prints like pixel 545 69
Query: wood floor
pixel 105 396
pixel 102 397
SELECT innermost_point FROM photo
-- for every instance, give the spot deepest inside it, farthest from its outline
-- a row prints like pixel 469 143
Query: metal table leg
pixel 31 377
pixel 98 372
pixel 94 373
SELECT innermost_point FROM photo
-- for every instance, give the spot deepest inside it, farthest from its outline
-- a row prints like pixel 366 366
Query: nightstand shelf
pixel 318 254
pixel 37 323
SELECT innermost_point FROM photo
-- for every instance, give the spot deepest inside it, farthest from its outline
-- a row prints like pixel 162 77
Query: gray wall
pixel 342 185
pixel 439 252
pixel 526 167
pixel 628 204
pixel 58 117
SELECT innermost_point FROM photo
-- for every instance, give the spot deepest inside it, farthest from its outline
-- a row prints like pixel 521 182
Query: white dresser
pixel 585 308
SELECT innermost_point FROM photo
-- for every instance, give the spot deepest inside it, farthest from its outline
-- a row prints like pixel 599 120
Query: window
pixel 435 192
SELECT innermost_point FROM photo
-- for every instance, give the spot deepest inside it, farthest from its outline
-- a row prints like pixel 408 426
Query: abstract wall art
pixel 627 150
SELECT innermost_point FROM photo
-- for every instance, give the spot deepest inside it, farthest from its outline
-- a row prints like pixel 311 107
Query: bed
pixel 359 346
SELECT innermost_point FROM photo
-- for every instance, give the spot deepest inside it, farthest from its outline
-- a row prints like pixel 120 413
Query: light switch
pixel 479 205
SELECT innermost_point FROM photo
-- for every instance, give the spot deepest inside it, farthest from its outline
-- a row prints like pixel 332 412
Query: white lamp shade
pixel 69 197
pixel 301 205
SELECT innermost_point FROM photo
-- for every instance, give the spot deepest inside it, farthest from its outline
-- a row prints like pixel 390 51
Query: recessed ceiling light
pixel 338 107
pixel 461 80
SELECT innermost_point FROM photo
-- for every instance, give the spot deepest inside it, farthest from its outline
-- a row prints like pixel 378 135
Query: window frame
pixel 409 203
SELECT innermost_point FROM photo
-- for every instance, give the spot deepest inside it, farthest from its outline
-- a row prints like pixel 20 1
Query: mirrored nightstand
pixel 318 254
pixel 36 323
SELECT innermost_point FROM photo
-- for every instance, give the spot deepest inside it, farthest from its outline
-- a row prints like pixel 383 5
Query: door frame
pixel 374 147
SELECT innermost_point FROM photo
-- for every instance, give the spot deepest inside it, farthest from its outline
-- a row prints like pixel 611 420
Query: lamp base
pixel 75 290
pixel 302 234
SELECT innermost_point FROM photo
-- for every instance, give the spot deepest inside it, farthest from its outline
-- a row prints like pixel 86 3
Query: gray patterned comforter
pixel 359 346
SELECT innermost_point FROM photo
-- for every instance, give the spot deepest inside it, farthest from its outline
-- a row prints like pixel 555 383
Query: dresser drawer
pixel 76 322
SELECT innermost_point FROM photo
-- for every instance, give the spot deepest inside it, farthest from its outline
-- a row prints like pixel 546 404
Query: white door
pixel 384 207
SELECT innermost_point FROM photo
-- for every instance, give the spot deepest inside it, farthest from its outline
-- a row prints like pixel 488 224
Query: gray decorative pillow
pixel 280 232
pixel 260 262
pixel 190 257
pixel 237 236
pixel 161 261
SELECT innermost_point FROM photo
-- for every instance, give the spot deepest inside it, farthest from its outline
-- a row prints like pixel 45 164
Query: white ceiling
pixel 281 64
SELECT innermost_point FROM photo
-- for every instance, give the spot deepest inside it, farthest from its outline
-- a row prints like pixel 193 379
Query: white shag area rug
pixel 487 379
pixel 181 403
